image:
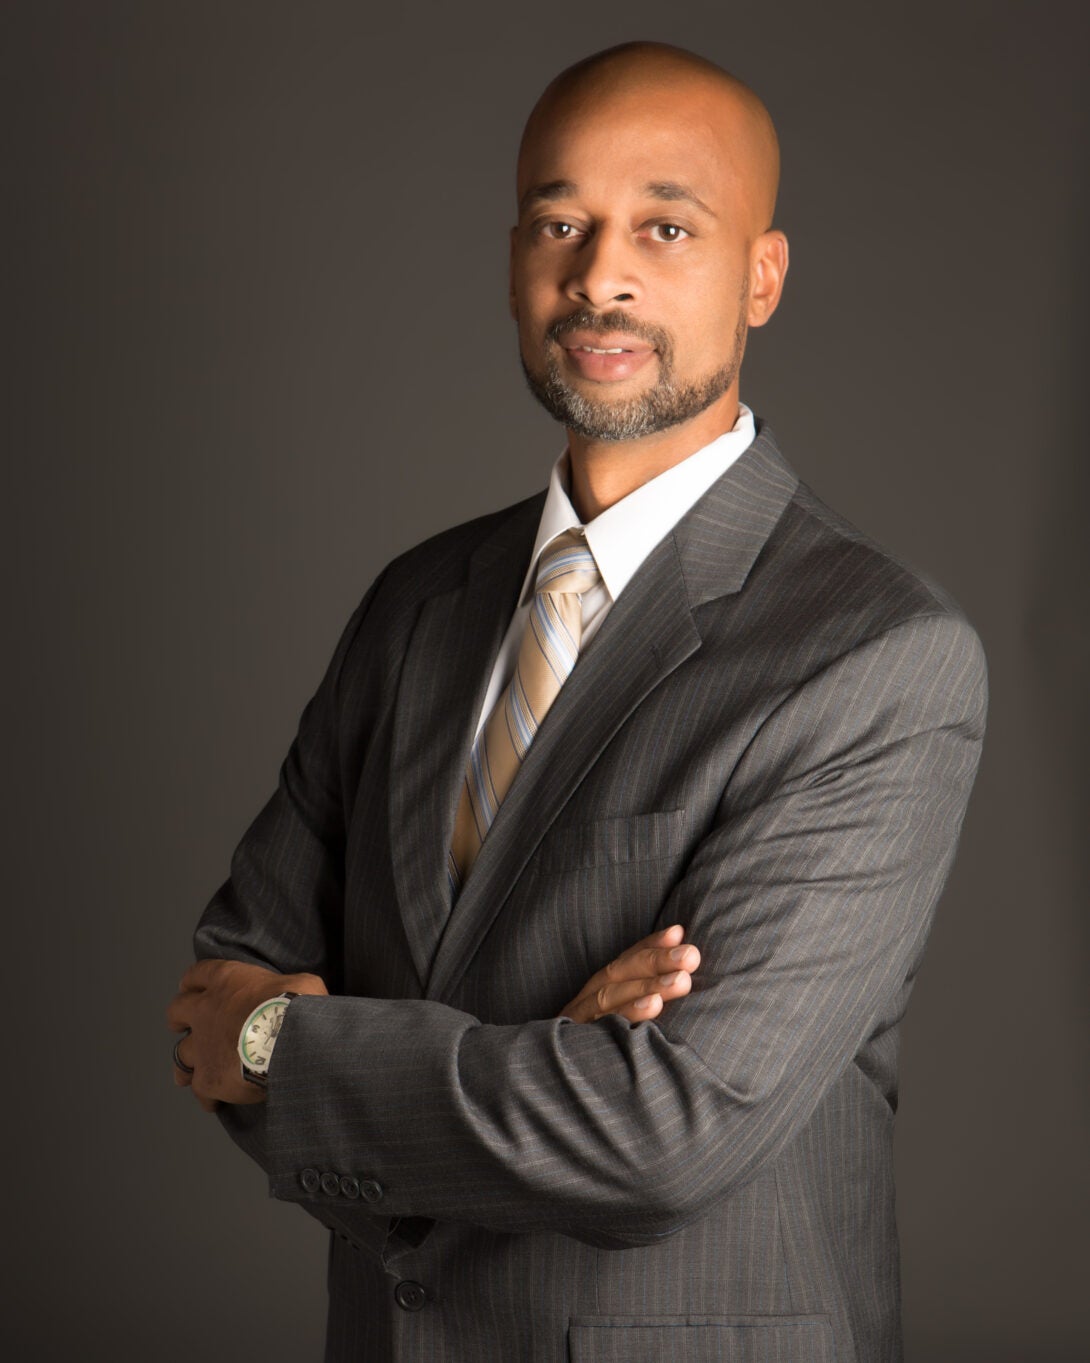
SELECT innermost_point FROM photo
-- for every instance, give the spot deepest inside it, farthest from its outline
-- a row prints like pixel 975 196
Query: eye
pixel 669 232
pixel 559 231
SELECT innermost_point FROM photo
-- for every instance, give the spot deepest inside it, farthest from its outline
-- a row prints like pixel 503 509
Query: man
pixel 675 694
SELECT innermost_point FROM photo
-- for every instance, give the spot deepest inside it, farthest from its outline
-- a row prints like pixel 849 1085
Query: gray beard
pixel 666 404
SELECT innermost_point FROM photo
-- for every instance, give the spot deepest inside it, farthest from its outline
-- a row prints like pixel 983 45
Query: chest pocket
pixel 615 840
pixel 701 1339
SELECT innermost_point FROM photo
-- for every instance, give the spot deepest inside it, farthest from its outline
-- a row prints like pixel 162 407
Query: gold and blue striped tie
pixel 547 654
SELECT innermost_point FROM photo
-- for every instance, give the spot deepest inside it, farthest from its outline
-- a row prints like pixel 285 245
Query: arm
pixel 811 897
pixel 216 996
pixel 269 928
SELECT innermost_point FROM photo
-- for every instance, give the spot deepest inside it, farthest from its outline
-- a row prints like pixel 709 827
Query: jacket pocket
pixel 701 1339
pixel 614 840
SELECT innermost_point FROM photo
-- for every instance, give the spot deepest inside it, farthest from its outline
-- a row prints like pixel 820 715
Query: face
pixel 631 261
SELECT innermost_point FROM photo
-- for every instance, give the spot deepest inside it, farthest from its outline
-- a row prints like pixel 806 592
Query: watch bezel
pixel 255 1068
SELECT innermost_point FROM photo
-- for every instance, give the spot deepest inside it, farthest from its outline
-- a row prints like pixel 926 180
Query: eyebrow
pixel 547 193
pixel 673 192
pixel 669 191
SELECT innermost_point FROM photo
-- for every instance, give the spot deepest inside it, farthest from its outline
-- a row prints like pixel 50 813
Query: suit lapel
pixel 442 688
pixel 647 634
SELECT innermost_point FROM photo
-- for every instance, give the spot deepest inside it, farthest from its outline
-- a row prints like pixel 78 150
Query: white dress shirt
pixel 620 538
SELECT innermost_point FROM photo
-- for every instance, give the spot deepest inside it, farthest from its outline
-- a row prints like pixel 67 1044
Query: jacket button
pixel 311 1180
pixel 350 1186
pixel 371 1189
pixel 331 1184
pixel 410 1296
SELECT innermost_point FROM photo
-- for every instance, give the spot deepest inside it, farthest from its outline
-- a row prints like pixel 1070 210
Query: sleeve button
pixel 371 1189
pixel 311 1180
pixel 331 1184
pixel 410 1296
pixel 350 1186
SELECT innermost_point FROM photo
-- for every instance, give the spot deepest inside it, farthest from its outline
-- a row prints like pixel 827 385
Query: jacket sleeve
pixel 283 903
pixel 811 898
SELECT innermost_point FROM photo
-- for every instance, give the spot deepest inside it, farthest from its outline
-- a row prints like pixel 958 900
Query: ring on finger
pixel 179 1062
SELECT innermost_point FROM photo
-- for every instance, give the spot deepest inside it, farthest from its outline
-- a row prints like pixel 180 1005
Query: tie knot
pixel 567 565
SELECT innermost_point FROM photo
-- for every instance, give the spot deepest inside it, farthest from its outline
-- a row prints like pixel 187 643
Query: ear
pixel 767 271
pixel 512 300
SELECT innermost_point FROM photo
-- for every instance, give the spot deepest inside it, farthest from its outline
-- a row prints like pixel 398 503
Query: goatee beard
pixel 666 404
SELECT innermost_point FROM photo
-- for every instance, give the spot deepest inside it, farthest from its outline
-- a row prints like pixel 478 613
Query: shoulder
pixel 822 532
pixel 818 589
pixel 822 572
pixel 384 617
pixel 439 563
pixel 846 597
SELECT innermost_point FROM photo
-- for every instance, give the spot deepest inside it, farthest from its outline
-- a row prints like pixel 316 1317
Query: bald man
pixel 562 976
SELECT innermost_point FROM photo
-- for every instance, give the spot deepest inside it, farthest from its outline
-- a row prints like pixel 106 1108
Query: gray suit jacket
pixel 771 740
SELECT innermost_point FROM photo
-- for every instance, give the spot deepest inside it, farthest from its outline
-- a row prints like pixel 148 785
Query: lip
pixel 606 368
pixel 608 342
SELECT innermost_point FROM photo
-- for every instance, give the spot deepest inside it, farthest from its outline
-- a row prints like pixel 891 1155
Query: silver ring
pixel 185 1069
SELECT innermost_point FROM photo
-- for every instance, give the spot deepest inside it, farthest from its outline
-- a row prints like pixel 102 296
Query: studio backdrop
pixel 258 344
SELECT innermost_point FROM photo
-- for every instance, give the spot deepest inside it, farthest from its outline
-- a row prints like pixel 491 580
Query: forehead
pixel 616 144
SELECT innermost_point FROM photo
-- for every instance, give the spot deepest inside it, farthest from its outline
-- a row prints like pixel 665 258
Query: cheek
pixel 533 305
pixel 522 292
pixel 723 307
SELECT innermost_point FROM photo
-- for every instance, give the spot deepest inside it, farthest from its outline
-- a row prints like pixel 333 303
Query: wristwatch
pixel 258 1037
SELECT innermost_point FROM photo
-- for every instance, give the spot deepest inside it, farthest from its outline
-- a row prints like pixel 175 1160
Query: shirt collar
pixel 623 535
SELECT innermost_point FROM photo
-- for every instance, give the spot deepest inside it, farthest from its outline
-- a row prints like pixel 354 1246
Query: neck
pixel 605 471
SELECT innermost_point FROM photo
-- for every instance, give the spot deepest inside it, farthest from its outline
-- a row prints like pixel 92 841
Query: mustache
pixel 606 323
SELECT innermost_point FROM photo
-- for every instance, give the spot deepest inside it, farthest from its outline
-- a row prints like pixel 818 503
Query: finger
pixel 657 941
pixel 654 955
pixel 650 1004
pixel 674 986
pixel 638 963
pixel 180 1012
pixel 685 957
pixel 197 976
pixel 616 998
pixel 643 1009
pixel 641 962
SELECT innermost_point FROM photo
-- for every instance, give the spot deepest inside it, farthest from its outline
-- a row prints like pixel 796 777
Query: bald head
pixel 685 87
pixel 644 251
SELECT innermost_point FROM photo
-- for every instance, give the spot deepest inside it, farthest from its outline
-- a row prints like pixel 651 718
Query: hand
pixel 640 982
pixel 214 999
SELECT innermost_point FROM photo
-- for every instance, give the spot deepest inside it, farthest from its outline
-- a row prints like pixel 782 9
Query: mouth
pixel 608 363
pixel 617 344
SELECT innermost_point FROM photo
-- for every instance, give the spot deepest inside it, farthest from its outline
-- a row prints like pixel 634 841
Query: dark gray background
pixel 256 301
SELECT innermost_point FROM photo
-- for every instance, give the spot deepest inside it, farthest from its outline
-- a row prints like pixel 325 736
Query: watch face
pixel 260 1034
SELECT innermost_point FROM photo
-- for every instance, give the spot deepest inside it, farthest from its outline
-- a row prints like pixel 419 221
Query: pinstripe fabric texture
pixel 771 740
pixel 547 654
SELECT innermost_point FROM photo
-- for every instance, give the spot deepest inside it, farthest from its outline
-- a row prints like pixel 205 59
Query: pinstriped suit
pixel 771 740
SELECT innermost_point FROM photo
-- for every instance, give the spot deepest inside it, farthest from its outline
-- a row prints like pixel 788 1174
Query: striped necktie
pixel 547 654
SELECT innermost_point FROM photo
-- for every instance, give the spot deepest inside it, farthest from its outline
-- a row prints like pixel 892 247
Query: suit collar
pixel 623 535
pixel 719 540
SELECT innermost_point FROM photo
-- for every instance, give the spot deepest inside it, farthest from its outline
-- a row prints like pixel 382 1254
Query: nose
pixel 603 271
